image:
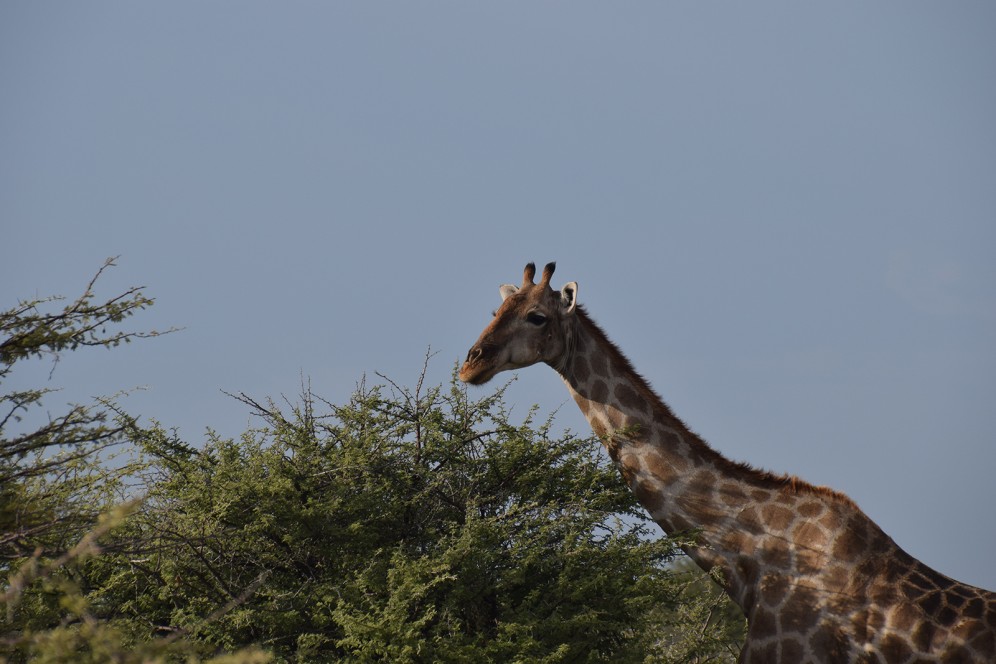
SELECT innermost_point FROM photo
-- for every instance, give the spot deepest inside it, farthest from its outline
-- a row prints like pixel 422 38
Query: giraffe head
pixel 527 328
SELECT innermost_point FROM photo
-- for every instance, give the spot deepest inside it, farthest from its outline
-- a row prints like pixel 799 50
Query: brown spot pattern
pixel 581 369
pixel 869 601
pixel 777 518
pixel 629 399
pixel 599 365
pixel 810 509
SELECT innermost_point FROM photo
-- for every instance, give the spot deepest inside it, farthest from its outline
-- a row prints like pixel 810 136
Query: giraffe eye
pixel 536 318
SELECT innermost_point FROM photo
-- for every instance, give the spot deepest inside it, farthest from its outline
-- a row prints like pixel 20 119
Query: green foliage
pixel 703 625
pixel 59 500
pixel 47 478
pixel 404 525
pixel 400 527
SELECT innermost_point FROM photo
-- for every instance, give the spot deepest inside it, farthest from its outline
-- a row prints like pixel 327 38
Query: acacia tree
pixel 404 525
pixel 59 499
pixel 50 492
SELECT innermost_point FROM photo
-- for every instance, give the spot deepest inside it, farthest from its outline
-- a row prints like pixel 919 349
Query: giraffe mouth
pixel 474 376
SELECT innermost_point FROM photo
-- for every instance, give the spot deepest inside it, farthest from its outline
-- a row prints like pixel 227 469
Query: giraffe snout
pixel 481 352
pixel 476 369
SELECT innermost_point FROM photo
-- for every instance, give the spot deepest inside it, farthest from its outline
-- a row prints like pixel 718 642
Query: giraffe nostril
pixel 480 352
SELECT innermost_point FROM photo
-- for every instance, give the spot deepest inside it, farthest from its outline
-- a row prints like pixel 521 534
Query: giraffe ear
pixel 569 297
pixel 507 289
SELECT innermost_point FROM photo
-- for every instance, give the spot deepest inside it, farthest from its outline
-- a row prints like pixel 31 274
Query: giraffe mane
pixel 763 478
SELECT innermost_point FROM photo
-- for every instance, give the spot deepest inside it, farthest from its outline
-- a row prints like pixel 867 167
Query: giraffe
pixel 816 578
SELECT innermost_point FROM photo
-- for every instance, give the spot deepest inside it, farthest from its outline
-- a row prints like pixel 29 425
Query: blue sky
pixel 784 214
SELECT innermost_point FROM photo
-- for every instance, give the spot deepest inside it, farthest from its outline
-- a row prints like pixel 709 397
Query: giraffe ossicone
pixel 817 579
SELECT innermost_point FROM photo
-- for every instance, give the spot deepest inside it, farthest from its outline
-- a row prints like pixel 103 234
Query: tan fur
pixel 816 578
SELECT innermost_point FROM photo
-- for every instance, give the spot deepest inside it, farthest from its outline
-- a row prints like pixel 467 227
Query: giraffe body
pixel 817 579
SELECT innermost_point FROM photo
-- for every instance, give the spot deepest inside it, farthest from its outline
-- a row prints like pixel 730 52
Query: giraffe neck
pixel 745 521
